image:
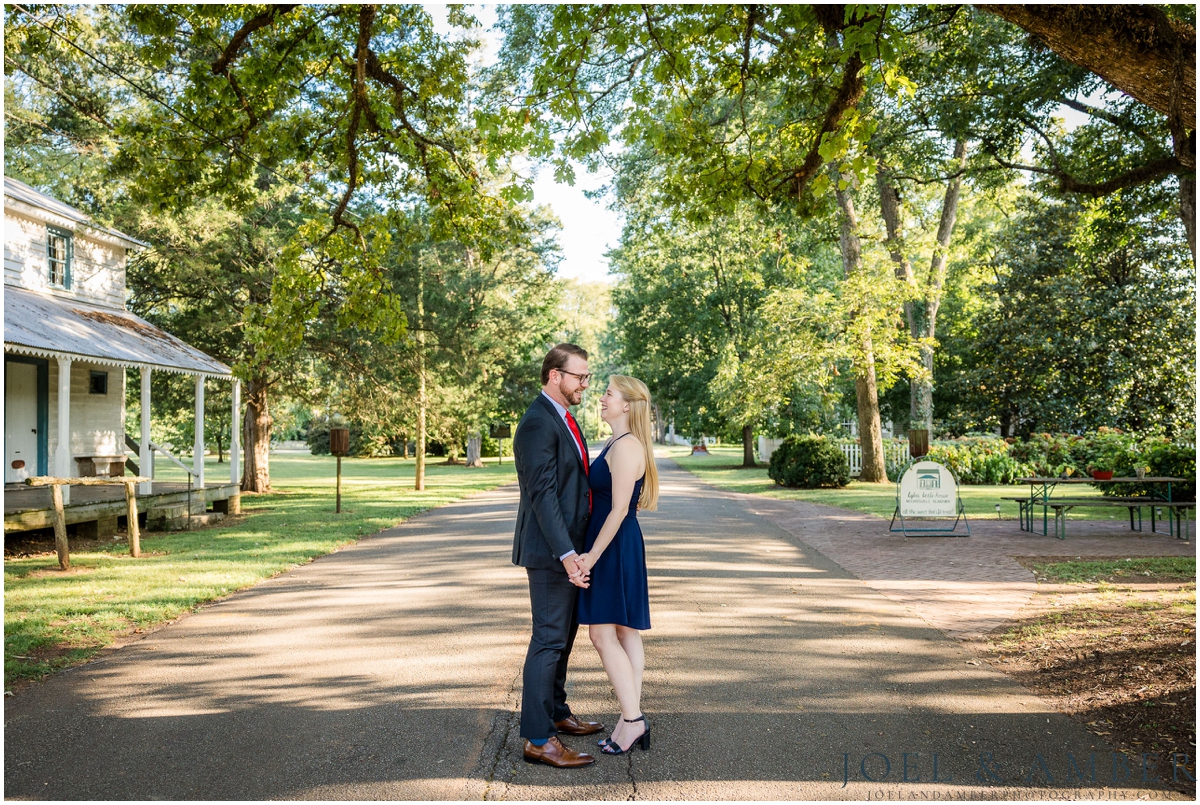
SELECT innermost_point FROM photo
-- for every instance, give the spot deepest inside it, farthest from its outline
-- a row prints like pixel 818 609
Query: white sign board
pixel 928 490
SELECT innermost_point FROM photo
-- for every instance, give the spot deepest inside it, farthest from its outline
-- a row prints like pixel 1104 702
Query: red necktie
pixel 582 451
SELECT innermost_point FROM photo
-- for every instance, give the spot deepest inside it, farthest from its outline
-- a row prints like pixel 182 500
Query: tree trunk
pixel 220 446
pixel 870 431
pixel 1187 210
pixel 748 446
pixel 256 471
pixel 474 450
pixel 922 314
pixel 419 482
pixel 921 402
pixel 889 206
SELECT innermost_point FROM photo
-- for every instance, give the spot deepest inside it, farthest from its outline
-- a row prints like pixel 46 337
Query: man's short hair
pixel 557 358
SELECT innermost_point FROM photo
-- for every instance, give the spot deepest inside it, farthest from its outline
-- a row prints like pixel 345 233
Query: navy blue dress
pixel 619 592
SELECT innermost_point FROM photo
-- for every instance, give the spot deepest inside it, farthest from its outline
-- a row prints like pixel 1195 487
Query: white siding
pixel 97 420
pixel 97 268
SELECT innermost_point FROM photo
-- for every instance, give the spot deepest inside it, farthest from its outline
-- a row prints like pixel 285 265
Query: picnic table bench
pixel 1176 511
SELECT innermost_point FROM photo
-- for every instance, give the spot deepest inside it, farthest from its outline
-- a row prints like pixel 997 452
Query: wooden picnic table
pixel 1041 490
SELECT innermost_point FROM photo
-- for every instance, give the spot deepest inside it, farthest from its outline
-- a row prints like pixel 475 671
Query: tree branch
pixel 848 95
pixel 1143 174
pixel 62 94
pixel 359 102
pixel 1104 114
pixel 376 70
pixel 221 65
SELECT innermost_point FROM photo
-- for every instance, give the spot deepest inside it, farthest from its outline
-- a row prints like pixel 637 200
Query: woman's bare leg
pixel 625 676
pixel 631 642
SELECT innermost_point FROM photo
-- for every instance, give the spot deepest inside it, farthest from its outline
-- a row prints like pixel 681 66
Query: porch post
pixel 198 448
pixel 146 453
pixel 235 441
pixel 62 454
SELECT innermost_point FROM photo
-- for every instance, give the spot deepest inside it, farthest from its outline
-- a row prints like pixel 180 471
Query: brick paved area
pixel 963 586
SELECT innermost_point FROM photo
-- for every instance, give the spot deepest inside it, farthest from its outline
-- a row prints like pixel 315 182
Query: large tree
pixel 475 325
pixel 688 300
pixel 737 103
pixel 1073 315
pixel 359 112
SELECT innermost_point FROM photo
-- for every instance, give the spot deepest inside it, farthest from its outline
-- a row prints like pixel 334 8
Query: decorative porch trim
pixel 21 349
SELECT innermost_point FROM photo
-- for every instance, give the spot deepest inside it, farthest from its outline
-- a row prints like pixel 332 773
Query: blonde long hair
pixel 638 396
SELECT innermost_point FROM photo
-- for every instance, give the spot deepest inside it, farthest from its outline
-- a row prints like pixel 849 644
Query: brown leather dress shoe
pixel 553 753
pixel 573 725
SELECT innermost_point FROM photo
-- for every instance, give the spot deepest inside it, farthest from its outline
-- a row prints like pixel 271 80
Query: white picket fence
pixel 766 447
pixel 896 452
pixel 676 439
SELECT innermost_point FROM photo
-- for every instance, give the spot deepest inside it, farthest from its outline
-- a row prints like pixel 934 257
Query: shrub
pixel 809 462
pixel 318 434
pixel 1108 449
pixel 1176 459
pixel 979 460
pixel 1046 455
pixel 1161 457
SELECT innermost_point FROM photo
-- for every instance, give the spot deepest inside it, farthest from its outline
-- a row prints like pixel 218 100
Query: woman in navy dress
pixel 616 602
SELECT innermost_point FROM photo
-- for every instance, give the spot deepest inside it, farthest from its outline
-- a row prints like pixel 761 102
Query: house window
pixel 98 383
pixel 58 256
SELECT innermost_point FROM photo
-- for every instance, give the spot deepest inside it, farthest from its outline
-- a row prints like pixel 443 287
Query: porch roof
pixel 51 327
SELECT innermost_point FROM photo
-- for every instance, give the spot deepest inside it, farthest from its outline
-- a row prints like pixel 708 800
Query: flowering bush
pixel 978 460
pixel 1174 459
pixel 1164 458
pixel 1047 455
pixel 995 461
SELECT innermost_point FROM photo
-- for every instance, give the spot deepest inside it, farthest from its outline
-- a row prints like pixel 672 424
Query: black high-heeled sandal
pixel 609 747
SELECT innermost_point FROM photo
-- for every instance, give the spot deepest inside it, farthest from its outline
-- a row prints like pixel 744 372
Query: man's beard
pixel 575 397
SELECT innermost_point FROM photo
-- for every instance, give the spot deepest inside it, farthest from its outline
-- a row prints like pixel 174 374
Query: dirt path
pixel 390 670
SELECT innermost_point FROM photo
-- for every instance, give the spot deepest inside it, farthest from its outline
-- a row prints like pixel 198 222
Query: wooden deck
pixel 27 508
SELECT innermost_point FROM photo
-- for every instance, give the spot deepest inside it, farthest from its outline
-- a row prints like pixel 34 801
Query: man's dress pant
pixel 552 598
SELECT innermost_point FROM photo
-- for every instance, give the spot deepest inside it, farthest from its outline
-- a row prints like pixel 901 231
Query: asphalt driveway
pixel 391 670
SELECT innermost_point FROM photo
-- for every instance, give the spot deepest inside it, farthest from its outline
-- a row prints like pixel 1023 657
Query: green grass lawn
pixel 53 619
pixel 722 468
pixel 1132 569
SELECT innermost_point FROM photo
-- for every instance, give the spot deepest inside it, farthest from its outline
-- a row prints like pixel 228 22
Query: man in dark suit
pixel 552 468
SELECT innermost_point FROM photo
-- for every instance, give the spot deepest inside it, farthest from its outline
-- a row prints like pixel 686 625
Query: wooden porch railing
pixel 60 518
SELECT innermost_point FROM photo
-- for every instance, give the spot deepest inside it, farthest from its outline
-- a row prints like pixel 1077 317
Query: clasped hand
pixel 579 569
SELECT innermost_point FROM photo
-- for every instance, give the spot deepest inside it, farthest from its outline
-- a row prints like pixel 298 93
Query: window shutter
pixel 70 260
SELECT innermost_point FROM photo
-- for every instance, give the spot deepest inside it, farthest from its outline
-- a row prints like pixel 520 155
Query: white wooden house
pixel 68 341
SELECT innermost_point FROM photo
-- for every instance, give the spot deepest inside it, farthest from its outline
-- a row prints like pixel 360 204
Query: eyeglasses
pixel 582 378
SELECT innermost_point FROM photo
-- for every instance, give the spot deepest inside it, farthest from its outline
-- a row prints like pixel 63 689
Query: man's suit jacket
pixel 553 515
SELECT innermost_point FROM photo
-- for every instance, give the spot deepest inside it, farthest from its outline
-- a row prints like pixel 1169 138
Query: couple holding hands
pixel 578 539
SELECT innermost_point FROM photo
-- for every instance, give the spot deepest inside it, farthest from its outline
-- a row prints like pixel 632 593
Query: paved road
pixel 391 670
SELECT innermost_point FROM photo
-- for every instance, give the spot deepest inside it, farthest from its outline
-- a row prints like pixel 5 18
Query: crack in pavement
pixel 502 725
